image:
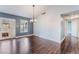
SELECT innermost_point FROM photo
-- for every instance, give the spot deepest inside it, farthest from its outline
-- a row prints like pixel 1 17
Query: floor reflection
pixel 15 46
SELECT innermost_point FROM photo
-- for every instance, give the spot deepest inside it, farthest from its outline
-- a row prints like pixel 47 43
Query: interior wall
pixel 74 28
pixel 48 26
pixel 18 18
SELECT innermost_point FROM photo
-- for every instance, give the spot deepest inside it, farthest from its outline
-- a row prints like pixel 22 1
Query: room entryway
pixel 7 28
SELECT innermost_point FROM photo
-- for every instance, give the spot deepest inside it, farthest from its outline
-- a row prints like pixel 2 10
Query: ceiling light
pixel 33 18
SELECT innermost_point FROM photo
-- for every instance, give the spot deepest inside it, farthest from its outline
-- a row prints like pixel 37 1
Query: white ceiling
pixel 27 10
pixel 23 10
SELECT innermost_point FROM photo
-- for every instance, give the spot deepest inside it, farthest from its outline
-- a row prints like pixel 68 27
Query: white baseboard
pixel 17 37
pixel 47 38
pixel 24 35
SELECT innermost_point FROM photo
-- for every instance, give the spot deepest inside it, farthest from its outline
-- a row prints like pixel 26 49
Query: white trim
pixel 46 38
pixel 18 36
pixel 62 39
pixel 24 35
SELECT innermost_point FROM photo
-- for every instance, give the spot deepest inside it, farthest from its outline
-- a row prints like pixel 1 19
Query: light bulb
pixel 35 20
pixel 31 20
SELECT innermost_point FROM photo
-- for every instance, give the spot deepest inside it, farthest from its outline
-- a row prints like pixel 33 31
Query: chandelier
pixel 33 18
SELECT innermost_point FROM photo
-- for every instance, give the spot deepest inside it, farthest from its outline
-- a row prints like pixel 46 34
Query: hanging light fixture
pixel 33 18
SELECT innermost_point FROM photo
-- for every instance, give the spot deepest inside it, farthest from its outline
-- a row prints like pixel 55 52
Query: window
pixel 23 26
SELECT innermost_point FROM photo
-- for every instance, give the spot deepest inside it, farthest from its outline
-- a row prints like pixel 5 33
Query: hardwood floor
pixel 15 46
pixel 43 46
pixel 70 45
pixel 31 45
pixel 37 45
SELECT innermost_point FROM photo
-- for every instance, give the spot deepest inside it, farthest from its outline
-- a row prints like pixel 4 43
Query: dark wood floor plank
pixel 43 46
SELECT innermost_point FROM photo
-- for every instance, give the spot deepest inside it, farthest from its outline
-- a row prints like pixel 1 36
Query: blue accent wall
pixel 18 18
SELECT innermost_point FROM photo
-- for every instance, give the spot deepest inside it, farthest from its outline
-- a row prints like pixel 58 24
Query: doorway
pixel 8 28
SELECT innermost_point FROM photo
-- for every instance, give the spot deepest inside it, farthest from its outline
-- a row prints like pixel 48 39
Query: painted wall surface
pixel 49 25
pixel 18 18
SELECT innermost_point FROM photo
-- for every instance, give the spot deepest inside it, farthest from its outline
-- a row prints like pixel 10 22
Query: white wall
pixel 74 28
pixel 48 26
